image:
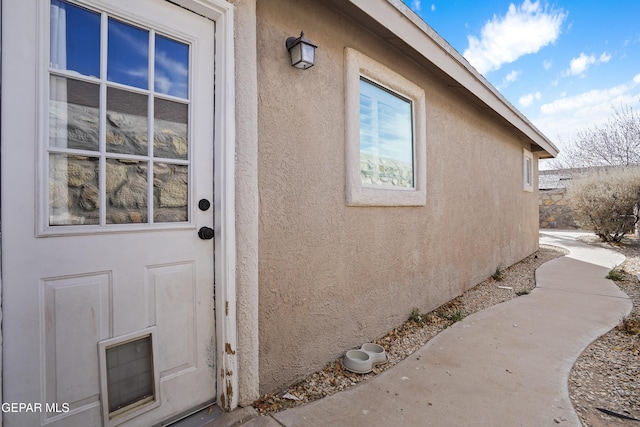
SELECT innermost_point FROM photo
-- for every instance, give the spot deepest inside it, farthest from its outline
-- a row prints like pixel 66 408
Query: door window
pixel 119 110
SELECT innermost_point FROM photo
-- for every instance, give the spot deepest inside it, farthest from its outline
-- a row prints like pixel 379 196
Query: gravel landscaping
pixel 605 381
pixel 606 376
pixel 414 333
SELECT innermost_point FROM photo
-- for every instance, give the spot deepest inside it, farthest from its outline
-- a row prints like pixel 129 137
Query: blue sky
pixel 567 64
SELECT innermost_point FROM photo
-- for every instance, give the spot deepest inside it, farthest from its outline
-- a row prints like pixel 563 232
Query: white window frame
pixel 527 170
pixel 358 65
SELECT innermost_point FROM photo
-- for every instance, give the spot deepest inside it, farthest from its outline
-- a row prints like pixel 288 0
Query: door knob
pixel 205 233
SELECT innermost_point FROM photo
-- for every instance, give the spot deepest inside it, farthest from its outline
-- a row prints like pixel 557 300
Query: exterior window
pixel 385 136
pixel 118 118
pixel 527 171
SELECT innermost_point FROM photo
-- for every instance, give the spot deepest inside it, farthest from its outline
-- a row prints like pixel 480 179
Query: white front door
pixel 107 193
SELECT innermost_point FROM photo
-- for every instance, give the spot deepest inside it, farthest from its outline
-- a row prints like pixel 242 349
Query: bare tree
pixel 614 143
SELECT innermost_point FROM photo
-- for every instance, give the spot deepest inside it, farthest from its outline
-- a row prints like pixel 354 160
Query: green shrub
pixel 616 275
pixel 606 202
pixel 497 275
pixel 454 316
pixel 416 316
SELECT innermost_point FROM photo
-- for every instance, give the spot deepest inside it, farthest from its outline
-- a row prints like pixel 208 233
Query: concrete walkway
pixel 504 366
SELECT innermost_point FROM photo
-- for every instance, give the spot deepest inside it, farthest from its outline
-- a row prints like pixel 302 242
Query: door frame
pixel 224 261
pixel 224 198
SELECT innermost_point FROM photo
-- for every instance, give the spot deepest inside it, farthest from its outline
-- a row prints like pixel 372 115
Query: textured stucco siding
pixel 332 276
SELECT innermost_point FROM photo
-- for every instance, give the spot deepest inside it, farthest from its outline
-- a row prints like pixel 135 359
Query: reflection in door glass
pixel 75 39
pixel 74 196
pixel 126 191
pixel 170 192
pixel 171 67
pixel 170 129
pixel 127 122
pixel 128 55
pixel 73 114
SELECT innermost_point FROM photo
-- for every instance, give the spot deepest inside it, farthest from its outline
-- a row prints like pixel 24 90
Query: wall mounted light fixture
pixel 302 51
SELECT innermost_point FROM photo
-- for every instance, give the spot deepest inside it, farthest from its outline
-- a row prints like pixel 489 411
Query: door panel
pixel 107 288
pixel 172 295
pixel 68 337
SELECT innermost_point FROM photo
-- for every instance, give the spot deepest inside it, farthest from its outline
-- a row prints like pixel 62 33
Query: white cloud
pixel 528 99
pixel 523 30
pixel 579 65
pixel 605 57
pixel 564 117
pixel 433 8
pixel 512 76
pixel 585 100
pixel 415 5
pixel 547 64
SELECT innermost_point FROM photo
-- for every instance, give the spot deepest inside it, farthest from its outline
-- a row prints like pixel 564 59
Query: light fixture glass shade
pixel 302 51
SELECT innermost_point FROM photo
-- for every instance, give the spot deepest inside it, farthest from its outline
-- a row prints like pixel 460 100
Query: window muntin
pixel 386 137
pixel 118 149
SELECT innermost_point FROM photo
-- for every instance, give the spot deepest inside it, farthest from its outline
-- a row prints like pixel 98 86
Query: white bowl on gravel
pixel 357 361
pixel 376 353
pixel 363 360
